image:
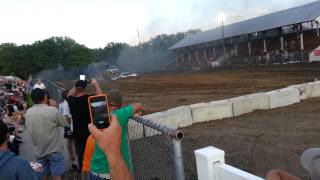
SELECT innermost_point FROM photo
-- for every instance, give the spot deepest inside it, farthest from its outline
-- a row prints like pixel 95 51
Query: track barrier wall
pixel 283 97
pixel 214 110
pixel 242 105
pixel 184 116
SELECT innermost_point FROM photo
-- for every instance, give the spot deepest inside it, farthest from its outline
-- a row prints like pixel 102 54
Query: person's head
pixel 310 160
pixel 39 81
pixel 64 95
pixel 114 99
pixel 47 93
pixel 39 96
pixel 3 133
pixel 81 86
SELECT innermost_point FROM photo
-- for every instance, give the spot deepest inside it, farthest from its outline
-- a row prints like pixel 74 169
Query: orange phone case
pixel 89 104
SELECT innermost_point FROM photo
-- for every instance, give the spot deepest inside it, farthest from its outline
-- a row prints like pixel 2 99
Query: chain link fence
pixel 155 149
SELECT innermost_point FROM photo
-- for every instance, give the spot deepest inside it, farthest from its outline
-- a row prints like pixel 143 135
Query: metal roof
pixel 299 14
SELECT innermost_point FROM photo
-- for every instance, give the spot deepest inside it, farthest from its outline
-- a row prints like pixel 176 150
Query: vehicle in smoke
pixel 114 73
pixel 125 75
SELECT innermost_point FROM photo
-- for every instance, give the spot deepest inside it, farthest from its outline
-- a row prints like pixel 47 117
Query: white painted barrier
pixel 175 118
pixel 283 97
pixel 304 90
pixel 260 101
pixel 211 111
pixel 211 166
pixel 196 113
pixel 242 105
pixel 315 89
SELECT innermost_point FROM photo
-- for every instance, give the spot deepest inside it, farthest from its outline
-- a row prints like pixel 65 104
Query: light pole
pixel 222 18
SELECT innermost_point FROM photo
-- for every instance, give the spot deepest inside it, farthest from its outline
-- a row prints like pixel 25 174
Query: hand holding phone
pixel 99 112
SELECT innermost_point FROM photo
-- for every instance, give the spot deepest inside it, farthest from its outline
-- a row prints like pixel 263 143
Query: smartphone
pixel 83 77
pixel 99 112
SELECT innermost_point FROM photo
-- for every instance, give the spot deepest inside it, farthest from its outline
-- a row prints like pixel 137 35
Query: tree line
pixel 24 60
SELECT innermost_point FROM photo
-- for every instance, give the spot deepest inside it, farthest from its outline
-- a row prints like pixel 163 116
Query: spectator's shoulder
pixel 19 162
pixel 53 109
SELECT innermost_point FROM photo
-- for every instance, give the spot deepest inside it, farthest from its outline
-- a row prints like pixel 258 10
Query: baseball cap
pixel 310 160
pixel 81 84
pixel 115 97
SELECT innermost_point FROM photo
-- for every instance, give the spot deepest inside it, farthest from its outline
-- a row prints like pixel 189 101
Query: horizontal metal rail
pixel 172 133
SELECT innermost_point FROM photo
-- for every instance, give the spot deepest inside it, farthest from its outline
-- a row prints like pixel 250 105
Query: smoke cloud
pixel 143 60
pixel 93 70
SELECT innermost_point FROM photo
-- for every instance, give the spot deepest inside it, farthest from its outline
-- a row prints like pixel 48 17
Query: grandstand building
pixel 280 37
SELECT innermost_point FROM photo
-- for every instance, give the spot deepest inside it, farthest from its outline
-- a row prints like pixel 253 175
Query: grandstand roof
pixel 299 14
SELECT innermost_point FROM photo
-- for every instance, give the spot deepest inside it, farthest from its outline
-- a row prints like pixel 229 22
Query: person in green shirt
pixel 99 163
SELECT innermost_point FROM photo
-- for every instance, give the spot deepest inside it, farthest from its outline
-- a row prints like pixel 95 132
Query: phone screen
pixel 100 114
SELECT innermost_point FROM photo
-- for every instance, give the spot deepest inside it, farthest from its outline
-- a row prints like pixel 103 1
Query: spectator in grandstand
pixel 39 85
pixel 2 99
pixel 100 169
pixel 47 140
pixel 68 134
pixel 12 166
pixel 8 85
pixel 78 104
pixel 110 140
pixel 14 115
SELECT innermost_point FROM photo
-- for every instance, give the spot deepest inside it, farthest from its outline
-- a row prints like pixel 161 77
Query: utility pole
pixel 223 45
pixel 139 60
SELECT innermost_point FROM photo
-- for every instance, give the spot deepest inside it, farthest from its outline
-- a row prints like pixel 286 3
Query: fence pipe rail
pixel 172 133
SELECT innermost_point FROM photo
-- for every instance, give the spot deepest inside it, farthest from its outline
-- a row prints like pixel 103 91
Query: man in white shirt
pixel 64 110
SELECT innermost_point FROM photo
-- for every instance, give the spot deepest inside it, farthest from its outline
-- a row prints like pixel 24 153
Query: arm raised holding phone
pixel 109 140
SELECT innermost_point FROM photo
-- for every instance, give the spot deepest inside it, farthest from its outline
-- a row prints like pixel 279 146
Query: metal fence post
pixel 178 159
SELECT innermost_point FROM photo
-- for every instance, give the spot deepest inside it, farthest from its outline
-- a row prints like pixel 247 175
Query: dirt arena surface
pixel 255 142
pixel 163 90
pixel 259 141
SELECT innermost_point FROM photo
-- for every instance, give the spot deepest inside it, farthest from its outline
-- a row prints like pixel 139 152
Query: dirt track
pixel 256 142
pixel 259 141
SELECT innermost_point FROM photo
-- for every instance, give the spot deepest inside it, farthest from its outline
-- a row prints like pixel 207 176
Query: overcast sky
pixel 94 23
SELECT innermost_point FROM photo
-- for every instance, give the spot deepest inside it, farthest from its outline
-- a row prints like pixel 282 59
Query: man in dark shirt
pixel 79 109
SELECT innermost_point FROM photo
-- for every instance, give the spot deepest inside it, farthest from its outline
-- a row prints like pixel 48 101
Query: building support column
pixel 205 54
pixel 197 58
pixel 264 45
pixel 214 52
pixel 182 57
pixel 177 58
pixel 282 45
pixel 189 57
pixel 249 48
pixel 301 42
pixel 301 46
pixel 236 49
pixel 318 31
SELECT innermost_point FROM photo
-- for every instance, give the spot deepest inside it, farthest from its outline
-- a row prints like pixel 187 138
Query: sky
pixel 94 23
